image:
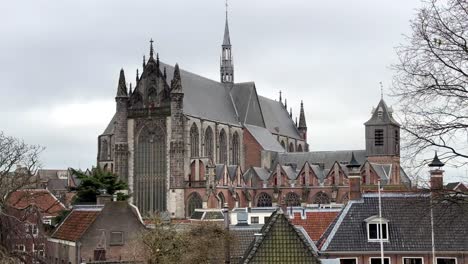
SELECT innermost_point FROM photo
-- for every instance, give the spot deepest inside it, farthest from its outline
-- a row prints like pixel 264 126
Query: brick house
pixel 103 232
pixel 33 211
pixel 405 227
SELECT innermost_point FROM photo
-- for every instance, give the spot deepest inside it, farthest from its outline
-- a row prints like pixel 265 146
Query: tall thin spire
pixel 286 104
pixel 144 62
pixel 302 120
pixel 122 87
pixel 227 66
pixel 280 99
pixel 137 77
pixel 151 49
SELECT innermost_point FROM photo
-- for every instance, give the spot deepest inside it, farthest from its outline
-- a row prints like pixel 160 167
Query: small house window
pixel 379 137
pixel 413 260
pixel 254 220
pixel 446 260
pixel 116 238
pixel 379 261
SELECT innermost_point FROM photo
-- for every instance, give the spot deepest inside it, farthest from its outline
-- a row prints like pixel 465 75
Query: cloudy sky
pixel 60 61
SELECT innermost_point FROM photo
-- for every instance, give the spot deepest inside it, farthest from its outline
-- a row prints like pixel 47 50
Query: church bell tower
pixel 226 63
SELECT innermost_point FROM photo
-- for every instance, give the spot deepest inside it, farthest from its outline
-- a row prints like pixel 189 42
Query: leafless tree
pixel 431 82
pixel 18 164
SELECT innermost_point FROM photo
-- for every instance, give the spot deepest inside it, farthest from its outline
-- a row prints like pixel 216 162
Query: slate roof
pixel 261 173
pixel 76 223
pixel 247 104
pixel 242 238
pixel 57 184
pixel 387 116
pixel 325 158
pixel 277 118
pixel 264 138
pixel 409 225
pixel 280 242
pixel 47 203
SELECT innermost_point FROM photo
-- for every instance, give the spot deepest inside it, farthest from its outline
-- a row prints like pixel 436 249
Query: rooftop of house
pixel 44 200
pixel 409 224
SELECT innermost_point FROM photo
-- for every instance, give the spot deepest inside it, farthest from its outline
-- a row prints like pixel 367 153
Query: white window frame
pixel 257 218
pixel 375 220
pixel 403 259
pixel 113 243
pixel 357 260
pixel 17 247
pixel 389 260
pixel 455 258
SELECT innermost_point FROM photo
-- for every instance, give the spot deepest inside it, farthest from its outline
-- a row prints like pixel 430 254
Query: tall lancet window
pixel 194 141
pixel 209 143
pixel 235 149
pixel 222 147
pixel 150 170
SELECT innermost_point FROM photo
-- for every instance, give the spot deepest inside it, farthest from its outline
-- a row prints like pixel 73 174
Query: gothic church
pixel 179 151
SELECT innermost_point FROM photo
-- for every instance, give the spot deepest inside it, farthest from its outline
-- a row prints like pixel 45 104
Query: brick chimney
pixel 354 177
pixel 437 174
pixel 103 198
pixel 227 246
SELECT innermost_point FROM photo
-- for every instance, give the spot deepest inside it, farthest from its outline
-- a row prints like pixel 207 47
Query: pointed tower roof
pixel 176 83
pixel 436 162
pixel 226 39
pixel 353 162
pixel 302 120
pixel 122 87
pixel 382 115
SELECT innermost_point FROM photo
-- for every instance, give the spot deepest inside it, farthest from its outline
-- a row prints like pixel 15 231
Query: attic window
pixel 373 229
pixel 116 238
pixel 379 137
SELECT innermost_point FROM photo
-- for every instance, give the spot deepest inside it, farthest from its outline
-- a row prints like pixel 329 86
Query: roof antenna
pixel 381 90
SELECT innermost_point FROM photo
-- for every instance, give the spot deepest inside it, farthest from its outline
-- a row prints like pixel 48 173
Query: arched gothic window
pixel 264 200
pixel 194 142
pixel 293 199
pixel 209 143
pixel 222 200
pixel 291 147
pixel 150 169
pixel 235 149
pixel 321 198
pixel 299 148
pixel 104 150
pixel 194 202
pixel 222 147
pixel 283 145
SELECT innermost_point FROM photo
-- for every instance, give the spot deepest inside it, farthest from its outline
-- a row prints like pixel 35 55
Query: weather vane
pixel 381 90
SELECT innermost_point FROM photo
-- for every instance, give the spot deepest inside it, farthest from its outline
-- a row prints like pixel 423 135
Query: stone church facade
pixel 182 141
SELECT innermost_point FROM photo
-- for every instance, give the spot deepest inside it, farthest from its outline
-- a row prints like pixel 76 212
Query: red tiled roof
pixel 75 225
pixel 315 223
pixel 47 203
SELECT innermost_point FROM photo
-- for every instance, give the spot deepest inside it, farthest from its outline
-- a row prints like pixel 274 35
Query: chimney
pixel 437 174
pixel 354 177
pixel 103 197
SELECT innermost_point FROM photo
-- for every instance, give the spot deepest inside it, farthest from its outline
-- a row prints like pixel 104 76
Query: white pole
pixel 432 232
pixel 380 228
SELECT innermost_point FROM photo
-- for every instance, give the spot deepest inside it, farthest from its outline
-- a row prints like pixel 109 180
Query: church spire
pixel 122 87
pixel 302 120
pixel 176 82
pixel 226 64
pixel 151 49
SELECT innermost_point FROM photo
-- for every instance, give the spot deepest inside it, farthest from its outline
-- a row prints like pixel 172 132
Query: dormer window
pixel 377 229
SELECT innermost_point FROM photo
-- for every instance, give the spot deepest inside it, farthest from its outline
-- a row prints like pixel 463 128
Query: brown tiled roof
pixel 75 225
pixel 315 223
pixel 47 203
